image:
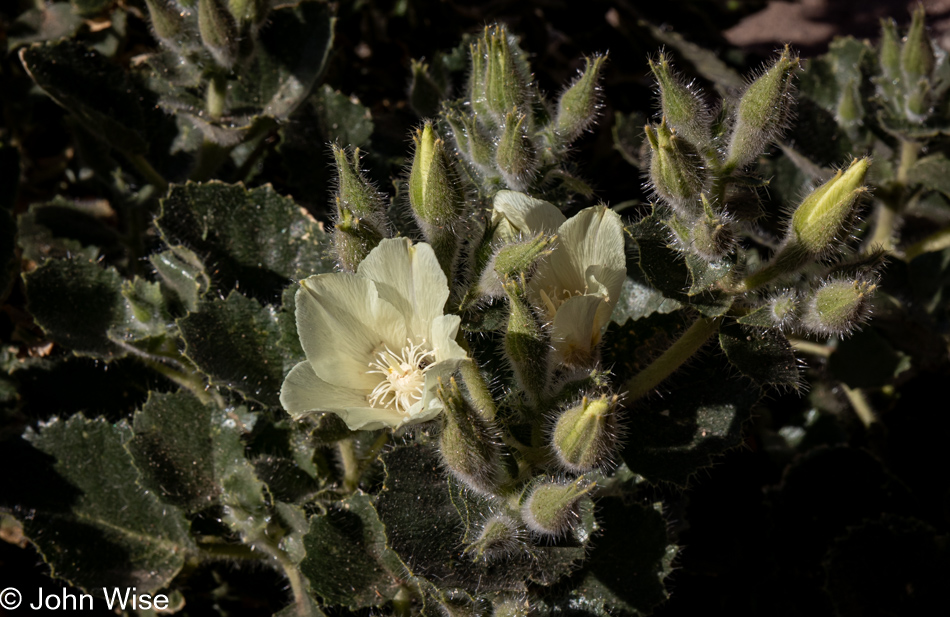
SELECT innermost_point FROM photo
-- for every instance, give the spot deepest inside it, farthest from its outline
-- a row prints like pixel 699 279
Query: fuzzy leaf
pixel 257 239
pixel 764 355
pixel 348 561
pixel 182 275
pixel 932 172
pixel 236 342
pixel 342 118
pixel 699 416
pixel 104 530
pixel 638 300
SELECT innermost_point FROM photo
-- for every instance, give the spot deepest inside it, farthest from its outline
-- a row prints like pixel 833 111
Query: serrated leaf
pixel 348 561
pixel 759 318
pixel 108 531
pixel 638 300
pixel 932 172
pixel 97 92
pixel 38 242
pixel 764 355
pixel 428 518
pixel 149 315
pixel 699 416
pixel 236 342
pixel 182 274
pixel 631 347
pixel 343 119
pixel 191 454
pixel 256 239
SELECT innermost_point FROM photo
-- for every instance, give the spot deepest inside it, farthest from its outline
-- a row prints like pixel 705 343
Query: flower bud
pixel 360 215
pixel 477 88
pixel 849 111
pixel 515 154
pixel 526 345
pixel 585 435
pixel 467 443
pixel 763 111
pixel 677 171
pixel 836 307
pixel 551 508
pixel 472 142
pixel 499 538
pixel 513 260
pixel 917 54
pixel 918 102
pixel 783 309
pixel 219 31
pixel 682 107
pixel 167 22
pixel 424 94
pixel 824 214
pixel 504 87
pixel 889 53
pixel 712 237
pixel 577 107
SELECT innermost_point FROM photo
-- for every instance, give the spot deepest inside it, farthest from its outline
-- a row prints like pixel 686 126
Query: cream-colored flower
pixel 577 287
pixel 376 341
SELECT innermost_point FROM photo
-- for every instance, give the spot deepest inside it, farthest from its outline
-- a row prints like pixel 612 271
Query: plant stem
pixel 149 173
pixel 215 550
pixel 888 210
pixel 815 349
pixel 402 602
pixel 860 405
pixel 297 585
pixel 682 350
pixel 351 464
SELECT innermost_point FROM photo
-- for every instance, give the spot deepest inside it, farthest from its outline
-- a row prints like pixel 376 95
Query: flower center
pixel 552 298
pixel 404 376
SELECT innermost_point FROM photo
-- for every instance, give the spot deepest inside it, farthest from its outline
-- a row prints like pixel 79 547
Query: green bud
pixel 551 508
pixel 499 538
pixel 526 344
pixel 783 309
pixel 510 606
pixel 683 108
pixel 472 142
pixel 424 94
pixel 889 52
pixel 360 214
pixel 918 102
pixel 219 31
pixel 824 215
pixel 434 192
pixel 250 11
pixel 849 111
pixel 577 107
pixel 585 435
pixel 515 154
pixel 167 22
pixel 712 237
pixel 520 258
pixel 504 87
pixel 468 443
pixel 917 54
pixel 477 87
pixel 763 111
pixel 352 239
pixel 677 171
pixel 836 307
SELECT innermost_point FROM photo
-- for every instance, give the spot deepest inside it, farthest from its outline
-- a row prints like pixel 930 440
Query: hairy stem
pixel 887 218
pixel 149 173
pixel 351 464
pixel 860 405
pixel 673 358
pixel 217 550
pixel 297 585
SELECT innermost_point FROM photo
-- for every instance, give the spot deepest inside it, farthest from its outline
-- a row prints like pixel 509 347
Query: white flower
pixel 577 287
pixel 376 341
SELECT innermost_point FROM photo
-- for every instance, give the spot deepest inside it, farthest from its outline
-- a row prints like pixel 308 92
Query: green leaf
pixel 342 118
pixel 629 137
pixel 699 416
pixel 38 240
pixel 78 304
pixel 764 355
pixel 631 347
pixel 53 21
pixel 99 93
pixel 932 172
pixel 705 274
pixel 429 517
pixel 192 454
pixel 638 300
pixel 182 275
pixel 257 239
pixel 107 531
pixel 88 8
pixel 348 562
pixel 236 342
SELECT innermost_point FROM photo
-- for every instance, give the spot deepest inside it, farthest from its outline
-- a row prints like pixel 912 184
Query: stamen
pixel 403 376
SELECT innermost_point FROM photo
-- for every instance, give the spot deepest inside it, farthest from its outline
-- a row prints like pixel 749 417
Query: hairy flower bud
pixel 515 154
pixel 472 142
pixel 837 306
pixel 504 87
pixel 551 508
pixel 763 111
pixel 823 216
pixel 585 436
pixel 711 236
pixel 517 259
pixel 526 344
pixel 424 94
pixel 467 443
pixel 499 538
pixel 677 171
pixel 917 54
pixel 849 111
pixel 682 107
pixel 360 215
pixel 219 31
pixel 783 309
pixel 250 11
pixel 167 22
pixel 889 53
pixel 577 107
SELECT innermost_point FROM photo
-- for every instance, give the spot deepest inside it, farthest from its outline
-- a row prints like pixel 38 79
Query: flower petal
pixel 518 214
pixel 303 393
pixel 410 278
pixel 575 332
pixel 442 338
pixel 342 322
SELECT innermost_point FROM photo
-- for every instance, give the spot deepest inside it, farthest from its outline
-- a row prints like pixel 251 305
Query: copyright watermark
pixel 10 598
pixel 115 599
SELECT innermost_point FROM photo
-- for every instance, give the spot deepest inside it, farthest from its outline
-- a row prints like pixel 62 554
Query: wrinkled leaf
pixel 765 355
pixel 182 275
